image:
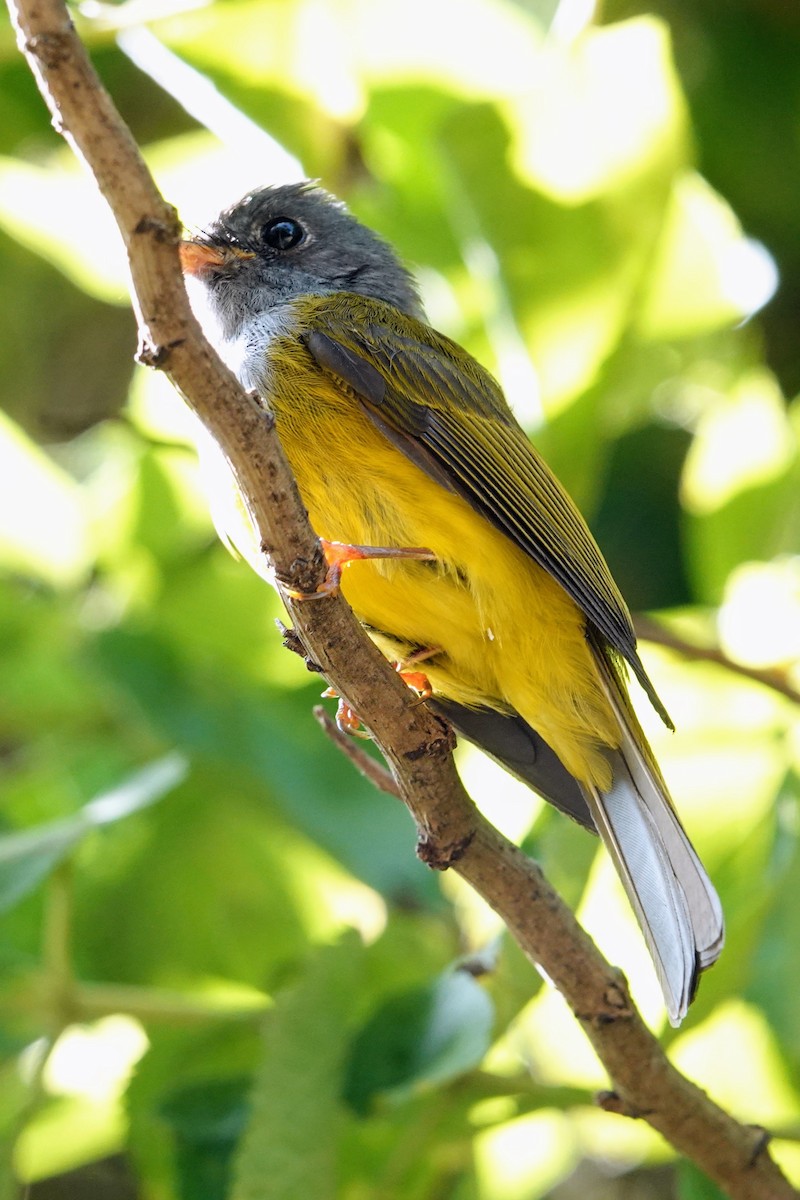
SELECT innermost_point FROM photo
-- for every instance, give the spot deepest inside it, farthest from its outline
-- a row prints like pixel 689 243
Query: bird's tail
pixel 670 892
pixel 673 898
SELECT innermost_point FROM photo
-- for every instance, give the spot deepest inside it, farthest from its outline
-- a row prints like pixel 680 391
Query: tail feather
pixel 509 740
pixel 673 898
pixel 675 902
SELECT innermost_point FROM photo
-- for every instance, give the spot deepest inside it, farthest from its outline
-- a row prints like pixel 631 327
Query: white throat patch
pixel 247 353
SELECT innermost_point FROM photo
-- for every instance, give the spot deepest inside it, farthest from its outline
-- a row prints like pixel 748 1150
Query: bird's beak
pixel 198 258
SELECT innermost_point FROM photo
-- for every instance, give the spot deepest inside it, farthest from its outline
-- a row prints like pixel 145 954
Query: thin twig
pixel 414 741
pixel 369 767
pixel 653 631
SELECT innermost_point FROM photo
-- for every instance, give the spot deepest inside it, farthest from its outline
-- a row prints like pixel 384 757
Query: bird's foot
pixel 338 555
pixel 348 720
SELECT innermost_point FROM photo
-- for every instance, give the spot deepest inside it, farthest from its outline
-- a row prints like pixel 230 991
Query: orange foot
pixel 416 680
pixel 348 719
pixel 339 554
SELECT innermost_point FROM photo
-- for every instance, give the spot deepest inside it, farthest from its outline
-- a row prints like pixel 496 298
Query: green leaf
pixel 605 110
pixel 187 1104
pixel 693 286
pixel 775 975
pixel 741 481
pixel 694 1185
pixel 639 512
pixel 59 214
pixel 207 1120
pixel 268 738
pixel 140 790
pixel 43 527
pixel 229 39
pixel 419 1039
pixel 290 1147
pixel 29 855
pixel 566 273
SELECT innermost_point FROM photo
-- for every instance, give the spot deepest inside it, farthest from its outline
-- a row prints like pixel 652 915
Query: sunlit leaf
pixel 706 273
pixel 58 213
pixel 524 1158
pixel 43 523
pixel 602 112
pixel 28 856
pixel 565 275
pixel 327 52
pixel 84 1079
pixel 741 483
pixel 742 441
pixel 759 622
pixel 753 1081
pixel 66 1133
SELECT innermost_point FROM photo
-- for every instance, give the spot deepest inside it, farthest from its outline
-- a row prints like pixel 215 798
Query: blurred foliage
pixel 218 954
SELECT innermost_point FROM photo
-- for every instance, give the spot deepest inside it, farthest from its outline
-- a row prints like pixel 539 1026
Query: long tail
pixel 674 900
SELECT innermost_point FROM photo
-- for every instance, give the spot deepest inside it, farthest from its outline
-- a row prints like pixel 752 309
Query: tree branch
pixel 653 631
pixel 414 741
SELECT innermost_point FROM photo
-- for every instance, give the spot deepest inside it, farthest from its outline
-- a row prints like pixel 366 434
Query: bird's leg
pixel 339 554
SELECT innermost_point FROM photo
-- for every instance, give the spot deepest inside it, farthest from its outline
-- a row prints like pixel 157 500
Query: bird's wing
pixel 441 409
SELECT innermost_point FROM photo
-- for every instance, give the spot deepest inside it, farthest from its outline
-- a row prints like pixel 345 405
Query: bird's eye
pixel 282 233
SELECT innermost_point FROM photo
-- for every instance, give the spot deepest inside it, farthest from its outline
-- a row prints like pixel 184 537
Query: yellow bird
pixel 399 439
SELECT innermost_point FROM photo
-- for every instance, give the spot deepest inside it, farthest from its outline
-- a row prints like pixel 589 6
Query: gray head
pixel 278 243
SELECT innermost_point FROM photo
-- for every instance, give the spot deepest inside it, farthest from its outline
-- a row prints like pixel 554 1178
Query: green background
pixel 222 971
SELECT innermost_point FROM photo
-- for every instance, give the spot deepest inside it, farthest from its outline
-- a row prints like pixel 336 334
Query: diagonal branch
pixel 661 635
pixel 414 741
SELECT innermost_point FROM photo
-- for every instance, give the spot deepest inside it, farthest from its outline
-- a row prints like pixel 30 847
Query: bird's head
pixel 279 243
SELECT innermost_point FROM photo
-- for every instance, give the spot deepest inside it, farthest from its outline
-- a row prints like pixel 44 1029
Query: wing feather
pixel 449 416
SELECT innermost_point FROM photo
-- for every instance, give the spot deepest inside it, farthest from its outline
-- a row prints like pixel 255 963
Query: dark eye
pixel 282 233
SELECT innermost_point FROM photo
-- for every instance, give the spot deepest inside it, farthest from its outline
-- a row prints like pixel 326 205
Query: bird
pixel 466 558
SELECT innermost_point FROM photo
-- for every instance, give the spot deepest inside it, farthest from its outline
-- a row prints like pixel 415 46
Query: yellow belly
pixel 507 635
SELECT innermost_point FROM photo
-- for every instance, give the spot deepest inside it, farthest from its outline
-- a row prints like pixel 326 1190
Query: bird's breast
pixel 507 634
